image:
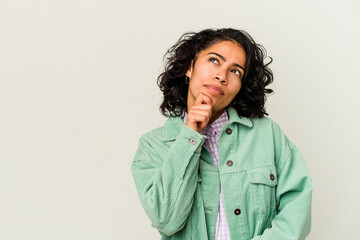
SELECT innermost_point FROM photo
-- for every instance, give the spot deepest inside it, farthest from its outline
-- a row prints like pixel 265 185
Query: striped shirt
pixel 212 133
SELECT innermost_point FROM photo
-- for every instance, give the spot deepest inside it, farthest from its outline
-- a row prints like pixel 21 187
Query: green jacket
pixel 266 190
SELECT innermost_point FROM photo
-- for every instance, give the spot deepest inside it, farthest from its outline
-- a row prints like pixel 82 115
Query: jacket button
pixel 272 177
pixel 229 163
pixel 193 141
pixel 237 211
pixel 228 131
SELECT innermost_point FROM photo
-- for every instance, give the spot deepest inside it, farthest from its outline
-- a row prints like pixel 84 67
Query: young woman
pixel 218 168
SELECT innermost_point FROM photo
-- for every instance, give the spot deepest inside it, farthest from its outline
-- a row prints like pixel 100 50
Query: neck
pixel 215 115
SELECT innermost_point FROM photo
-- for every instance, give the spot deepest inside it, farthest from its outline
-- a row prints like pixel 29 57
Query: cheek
pixel 233 93
pixel 236 88
pixel 200 77
pixel 204 71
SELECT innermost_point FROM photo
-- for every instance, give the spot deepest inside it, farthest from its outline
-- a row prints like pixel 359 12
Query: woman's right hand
pixel 199 114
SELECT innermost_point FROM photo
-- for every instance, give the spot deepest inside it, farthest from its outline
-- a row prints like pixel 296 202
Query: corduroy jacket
pixel 265 183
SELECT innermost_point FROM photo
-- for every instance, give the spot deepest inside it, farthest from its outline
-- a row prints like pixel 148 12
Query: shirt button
pixel 193 141
pixel 228 131
pixel 237 211
pixel 272 177
pixel 229 163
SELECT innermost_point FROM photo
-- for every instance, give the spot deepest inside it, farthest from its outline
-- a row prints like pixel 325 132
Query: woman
pixel 218 168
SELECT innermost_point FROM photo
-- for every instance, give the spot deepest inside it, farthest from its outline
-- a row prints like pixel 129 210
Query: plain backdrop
pixel 78 89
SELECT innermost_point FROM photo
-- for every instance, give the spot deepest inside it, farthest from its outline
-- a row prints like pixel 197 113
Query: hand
pixel 199 114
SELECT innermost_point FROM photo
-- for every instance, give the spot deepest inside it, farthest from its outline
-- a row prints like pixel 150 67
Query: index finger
pixel 207 100
pixel 199 99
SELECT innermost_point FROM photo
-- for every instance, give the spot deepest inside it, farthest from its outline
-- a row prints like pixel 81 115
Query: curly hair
pixel 250 100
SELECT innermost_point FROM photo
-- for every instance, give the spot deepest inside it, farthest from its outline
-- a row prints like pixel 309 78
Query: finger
pixel 199 118
pixel 204 113
pixel 203 124
pixel 202 107
pixel 199 99
pixel 207 100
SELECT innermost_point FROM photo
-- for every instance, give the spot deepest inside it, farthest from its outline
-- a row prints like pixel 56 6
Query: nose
pixel 221 77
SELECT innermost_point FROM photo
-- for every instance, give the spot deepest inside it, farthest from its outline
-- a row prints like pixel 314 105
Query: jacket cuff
pixel 188 143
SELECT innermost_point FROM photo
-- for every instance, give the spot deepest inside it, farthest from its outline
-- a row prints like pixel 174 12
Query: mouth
pixel 214 89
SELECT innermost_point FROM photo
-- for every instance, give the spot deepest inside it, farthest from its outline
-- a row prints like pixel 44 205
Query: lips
pixel 214 89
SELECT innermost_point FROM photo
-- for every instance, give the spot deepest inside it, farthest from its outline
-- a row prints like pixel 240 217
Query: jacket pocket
pixel 263 182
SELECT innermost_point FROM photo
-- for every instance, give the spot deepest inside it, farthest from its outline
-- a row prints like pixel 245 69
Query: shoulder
pixel 152 137
pixel 266 124
pixel 266 127
pixel 154 133
pixel 263 121
pixel 168 131
pixel 147 145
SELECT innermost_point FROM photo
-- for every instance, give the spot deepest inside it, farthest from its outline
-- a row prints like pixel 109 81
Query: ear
pixel 190 70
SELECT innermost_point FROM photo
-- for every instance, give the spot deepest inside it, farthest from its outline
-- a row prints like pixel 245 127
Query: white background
pixel 78 88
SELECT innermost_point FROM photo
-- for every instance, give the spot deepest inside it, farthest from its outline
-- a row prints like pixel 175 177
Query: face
pixel 217 74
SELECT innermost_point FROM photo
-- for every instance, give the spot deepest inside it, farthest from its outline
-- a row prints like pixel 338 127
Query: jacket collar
pixel 174 123
pixel 235 118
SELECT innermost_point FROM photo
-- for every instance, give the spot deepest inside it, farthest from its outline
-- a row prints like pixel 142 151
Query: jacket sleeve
pixel 293 196
pixel 166 178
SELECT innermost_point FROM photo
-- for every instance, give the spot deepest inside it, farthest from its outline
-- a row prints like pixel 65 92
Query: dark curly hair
pixel 250 100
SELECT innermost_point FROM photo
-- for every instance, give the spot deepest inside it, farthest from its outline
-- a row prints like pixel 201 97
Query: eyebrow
pixel 224 59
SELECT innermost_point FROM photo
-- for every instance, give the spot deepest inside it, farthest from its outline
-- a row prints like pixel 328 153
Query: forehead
pixel 231 50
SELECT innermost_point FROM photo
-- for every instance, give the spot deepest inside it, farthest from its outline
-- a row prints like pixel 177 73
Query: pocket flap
pixel 263 175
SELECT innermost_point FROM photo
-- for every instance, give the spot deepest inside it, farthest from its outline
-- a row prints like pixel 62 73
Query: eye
pixel 214 60
pixel 237 72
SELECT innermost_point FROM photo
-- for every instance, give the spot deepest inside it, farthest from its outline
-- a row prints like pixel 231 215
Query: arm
pixel 293 196
pixel 166 181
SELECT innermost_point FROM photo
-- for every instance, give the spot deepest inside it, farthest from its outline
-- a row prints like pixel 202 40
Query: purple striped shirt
pixel 212 133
